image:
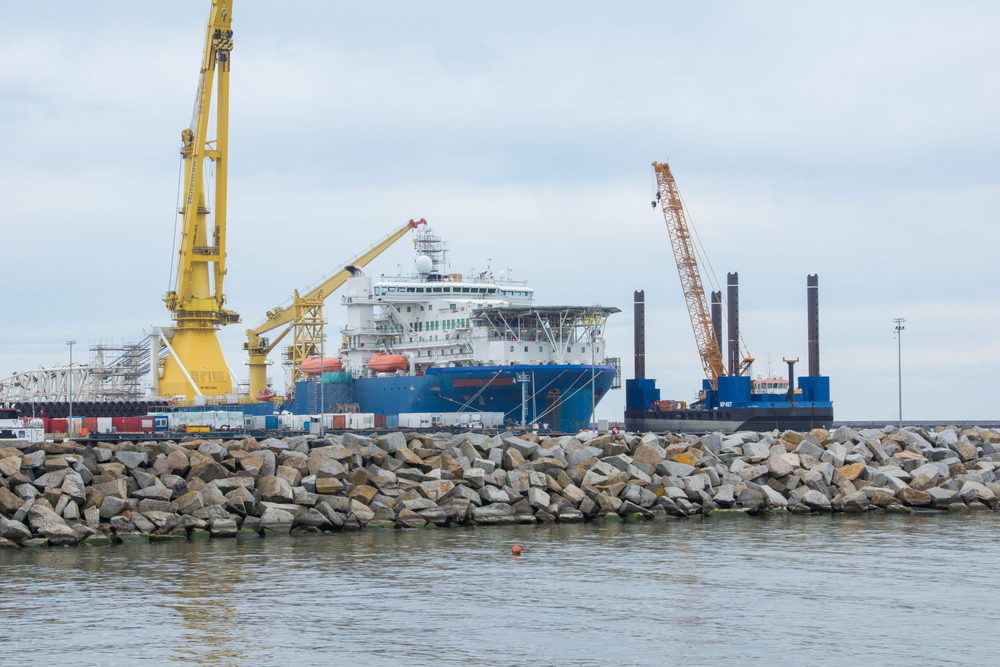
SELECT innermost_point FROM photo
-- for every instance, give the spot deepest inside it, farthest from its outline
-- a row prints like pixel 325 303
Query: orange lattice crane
pixel 686 258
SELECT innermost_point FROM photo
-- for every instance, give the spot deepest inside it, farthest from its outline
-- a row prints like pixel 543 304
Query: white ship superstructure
pixel 432 318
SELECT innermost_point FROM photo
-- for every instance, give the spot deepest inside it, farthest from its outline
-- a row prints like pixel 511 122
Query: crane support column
pixel 640 335
pixel 733 281
pixel 812 306
pixel 717 318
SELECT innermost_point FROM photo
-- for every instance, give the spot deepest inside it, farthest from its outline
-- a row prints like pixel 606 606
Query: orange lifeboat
pixel 315 365
pixel 387 363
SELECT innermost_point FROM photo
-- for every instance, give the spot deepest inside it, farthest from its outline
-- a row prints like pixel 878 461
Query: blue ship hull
pixel 559 395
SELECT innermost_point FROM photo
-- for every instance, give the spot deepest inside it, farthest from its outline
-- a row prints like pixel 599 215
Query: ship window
pixel 465 290
pixel 539 348
pixel 446 289
pixel 569 349
pixel 421 307
pixel 408 309
pixel 583 349
pixel 491 290
pixel 437 289
pixel 525 348
pixel 511 348
pixel 452 306
pixel 408 289
pixel 376 291
pixel 392 290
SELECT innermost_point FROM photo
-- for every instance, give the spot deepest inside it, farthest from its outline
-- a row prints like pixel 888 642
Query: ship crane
pixel 304 318
pixel 685 256
pixel 197 304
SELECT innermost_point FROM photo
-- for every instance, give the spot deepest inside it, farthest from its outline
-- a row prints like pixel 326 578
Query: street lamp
pixel 322 369
pixel 899 344
pixel 69 427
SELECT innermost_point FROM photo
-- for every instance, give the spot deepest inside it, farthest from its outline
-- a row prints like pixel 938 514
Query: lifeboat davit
pixel 315 365
pixel 387 363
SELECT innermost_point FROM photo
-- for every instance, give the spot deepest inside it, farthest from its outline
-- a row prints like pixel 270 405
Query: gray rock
pixel 333 517
pixel 131 460
pixel 537 498
pixel 809 449
pixel 772 498
pixel 674 469
pixel 15 531
pixel 222 527
pixel 58 534
pixel 112 506
pixel 277 520
pixel 523 447
pixel 490 514
pixel 815 500
pixel 724 496
pixel 275 489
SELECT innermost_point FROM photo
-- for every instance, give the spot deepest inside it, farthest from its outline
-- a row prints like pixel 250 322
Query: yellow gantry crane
pixel 197 303
pixel 686 259
pixel 304 318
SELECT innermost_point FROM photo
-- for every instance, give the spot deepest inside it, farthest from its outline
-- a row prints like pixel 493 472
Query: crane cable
pixel 177 212
pixel 713 279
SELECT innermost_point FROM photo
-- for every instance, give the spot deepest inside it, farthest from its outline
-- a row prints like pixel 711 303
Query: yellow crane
pixel 197 305
pixel 304 317
pixel 686 259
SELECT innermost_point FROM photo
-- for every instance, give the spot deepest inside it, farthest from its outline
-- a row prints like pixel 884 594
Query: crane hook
pixel 653 203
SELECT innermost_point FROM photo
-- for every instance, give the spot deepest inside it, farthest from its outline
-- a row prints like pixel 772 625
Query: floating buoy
pixel 516 550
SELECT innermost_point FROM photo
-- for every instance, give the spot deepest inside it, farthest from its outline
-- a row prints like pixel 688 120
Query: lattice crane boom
pixel 687 268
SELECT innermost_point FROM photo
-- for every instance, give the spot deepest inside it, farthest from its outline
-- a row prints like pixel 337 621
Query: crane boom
pixel 687 268
pixel 305 315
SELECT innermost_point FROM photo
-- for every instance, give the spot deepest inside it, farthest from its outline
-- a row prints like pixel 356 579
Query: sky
pixel 857 141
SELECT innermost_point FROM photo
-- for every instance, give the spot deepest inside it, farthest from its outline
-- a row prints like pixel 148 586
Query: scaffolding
pixel 430 244
pixel 116 371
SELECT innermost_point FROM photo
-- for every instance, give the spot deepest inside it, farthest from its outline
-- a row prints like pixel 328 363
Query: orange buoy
pixel 315 365
pixel 516 550
pixel 387 363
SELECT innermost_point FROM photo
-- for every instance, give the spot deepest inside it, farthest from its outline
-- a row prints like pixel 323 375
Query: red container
pixel 90 423
pixel 55 426
pixel 120 424
pixel 339 421
pixel 379 421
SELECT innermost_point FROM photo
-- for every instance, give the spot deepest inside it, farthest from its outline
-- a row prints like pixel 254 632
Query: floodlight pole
pixel 899 351
pixel 69 427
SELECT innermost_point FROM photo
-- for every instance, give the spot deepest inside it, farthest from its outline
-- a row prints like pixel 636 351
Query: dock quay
pixel 70 493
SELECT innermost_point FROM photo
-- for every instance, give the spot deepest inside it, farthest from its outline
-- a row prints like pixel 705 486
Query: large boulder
pixel 275 489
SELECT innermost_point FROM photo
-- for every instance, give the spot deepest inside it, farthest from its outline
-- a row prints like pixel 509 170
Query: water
pixel 841 590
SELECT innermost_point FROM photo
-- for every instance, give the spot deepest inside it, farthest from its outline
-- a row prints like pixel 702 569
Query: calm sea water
pixel 843 590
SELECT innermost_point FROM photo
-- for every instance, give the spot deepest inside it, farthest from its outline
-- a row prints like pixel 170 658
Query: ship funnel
pixel 734 323
pixel 717 319
pixel 640 335
pixel 812 290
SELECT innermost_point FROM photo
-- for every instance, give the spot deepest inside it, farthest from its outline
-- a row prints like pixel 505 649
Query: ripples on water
pixel 842 590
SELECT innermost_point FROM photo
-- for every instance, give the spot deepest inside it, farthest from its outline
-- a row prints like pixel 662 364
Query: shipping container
pixel 340 421
pixel 379 421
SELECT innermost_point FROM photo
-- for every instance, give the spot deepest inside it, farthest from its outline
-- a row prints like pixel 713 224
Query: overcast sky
pixel 858 141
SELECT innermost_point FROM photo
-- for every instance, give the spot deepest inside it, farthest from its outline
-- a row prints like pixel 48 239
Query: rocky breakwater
pixel 67 493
